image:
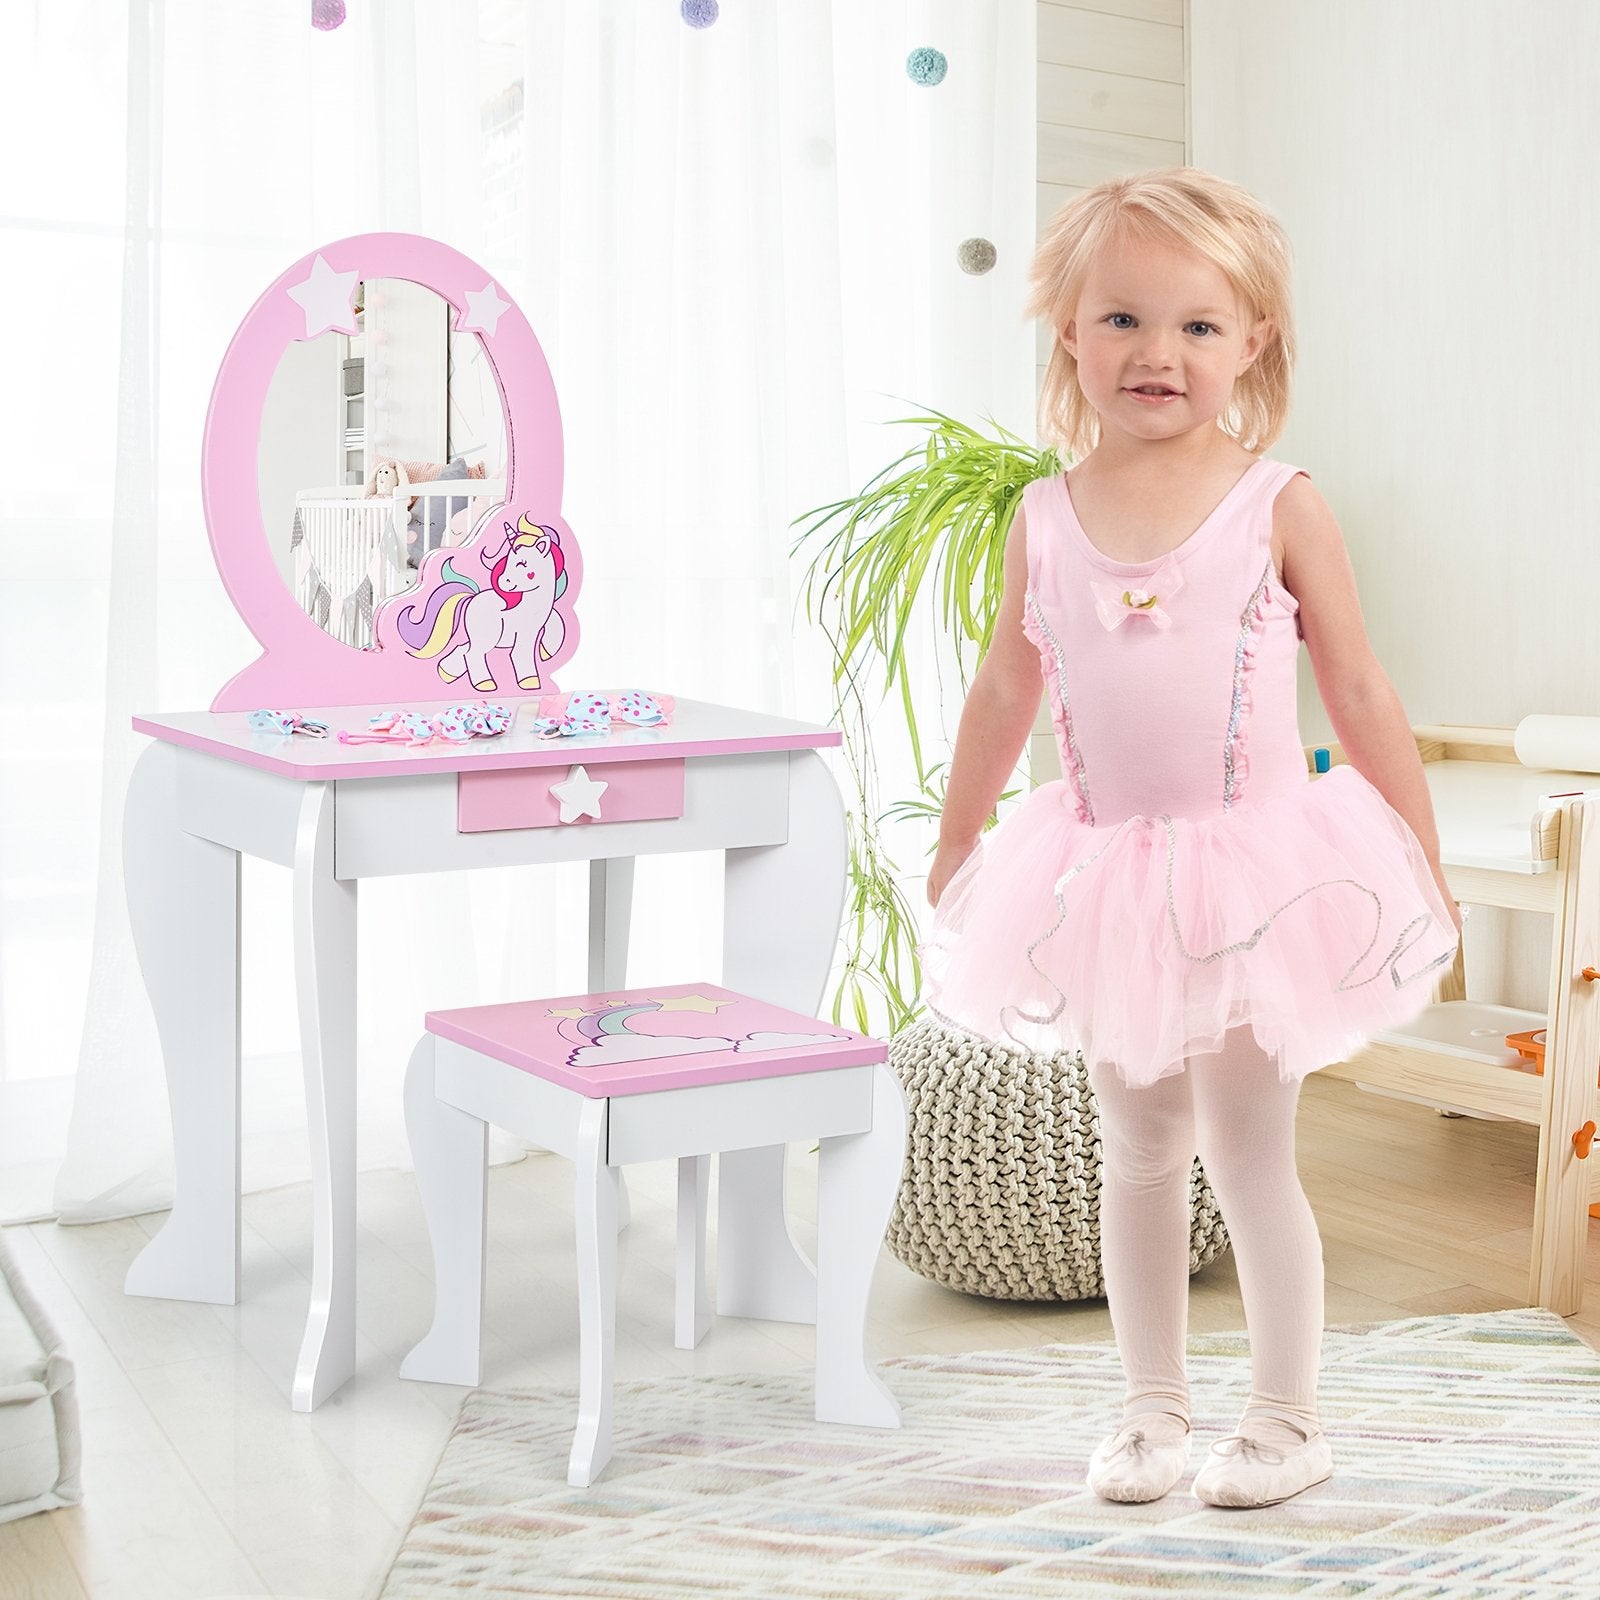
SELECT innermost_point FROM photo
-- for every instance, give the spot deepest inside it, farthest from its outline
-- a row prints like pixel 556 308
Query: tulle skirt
pixel 1311 915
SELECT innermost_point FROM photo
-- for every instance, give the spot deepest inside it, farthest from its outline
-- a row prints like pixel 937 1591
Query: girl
pixel 1186 906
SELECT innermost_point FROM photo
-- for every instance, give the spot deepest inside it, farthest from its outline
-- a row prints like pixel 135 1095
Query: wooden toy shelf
pixel 1505 842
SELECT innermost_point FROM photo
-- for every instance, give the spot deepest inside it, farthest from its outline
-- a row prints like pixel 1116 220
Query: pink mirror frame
pixel 300 665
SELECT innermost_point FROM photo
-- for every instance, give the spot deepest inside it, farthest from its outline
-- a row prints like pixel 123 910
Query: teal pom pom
pixel 926 66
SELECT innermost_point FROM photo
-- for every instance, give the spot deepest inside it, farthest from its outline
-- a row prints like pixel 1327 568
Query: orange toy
pixel 1530 1046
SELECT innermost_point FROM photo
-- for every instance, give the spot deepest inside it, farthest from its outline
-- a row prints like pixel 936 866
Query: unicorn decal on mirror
pixel 461 620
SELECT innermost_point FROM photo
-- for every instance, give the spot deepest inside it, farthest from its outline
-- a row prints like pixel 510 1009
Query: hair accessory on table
pixel 456 723
pixel 287 722
pixel 587 711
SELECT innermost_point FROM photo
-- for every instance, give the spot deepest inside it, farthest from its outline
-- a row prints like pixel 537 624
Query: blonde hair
pixel 1194 210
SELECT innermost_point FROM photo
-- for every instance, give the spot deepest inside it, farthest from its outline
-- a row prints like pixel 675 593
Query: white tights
pixel 1231 1109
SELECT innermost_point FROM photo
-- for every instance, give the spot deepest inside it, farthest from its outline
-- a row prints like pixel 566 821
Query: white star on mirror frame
pixel 324 296
pixel 484 310
pixel 579 795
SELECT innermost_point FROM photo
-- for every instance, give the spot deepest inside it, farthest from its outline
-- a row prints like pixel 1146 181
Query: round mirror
pixel 376 448
pixel 383 445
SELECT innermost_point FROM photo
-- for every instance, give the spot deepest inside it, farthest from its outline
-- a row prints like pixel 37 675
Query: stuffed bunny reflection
pixel 387 476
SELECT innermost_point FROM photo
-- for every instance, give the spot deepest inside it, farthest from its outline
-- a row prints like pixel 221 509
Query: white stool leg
pixel 761 1271
pixel 595 1190
pixel 858 1175
pixel 693 1302
pixel 450 1149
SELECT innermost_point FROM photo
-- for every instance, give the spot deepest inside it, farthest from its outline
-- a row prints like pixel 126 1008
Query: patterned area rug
pixel 1466 1464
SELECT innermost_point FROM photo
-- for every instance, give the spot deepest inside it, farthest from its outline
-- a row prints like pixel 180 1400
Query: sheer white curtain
pixel 736 244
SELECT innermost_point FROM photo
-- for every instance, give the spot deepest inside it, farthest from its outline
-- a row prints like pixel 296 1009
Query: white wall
pixel 1433 163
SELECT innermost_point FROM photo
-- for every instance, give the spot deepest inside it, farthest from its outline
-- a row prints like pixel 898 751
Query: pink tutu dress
pixel 1187 875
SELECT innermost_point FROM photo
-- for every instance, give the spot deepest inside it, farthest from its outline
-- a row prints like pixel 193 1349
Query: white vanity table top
pixel 695 728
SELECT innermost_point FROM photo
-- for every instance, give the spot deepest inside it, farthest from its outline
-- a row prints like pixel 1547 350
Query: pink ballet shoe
pixel 1131 1466
pixel 1241 1471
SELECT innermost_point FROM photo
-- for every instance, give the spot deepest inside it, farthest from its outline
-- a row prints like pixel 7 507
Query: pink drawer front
pixel 523 797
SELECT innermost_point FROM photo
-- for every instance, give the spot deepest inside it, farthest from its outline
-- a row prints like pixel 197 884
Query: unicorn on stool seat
pixel 517 612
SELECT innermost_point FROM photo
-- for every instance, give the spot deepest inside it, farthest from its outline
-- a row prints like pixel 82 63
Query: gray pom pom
pixel 976 256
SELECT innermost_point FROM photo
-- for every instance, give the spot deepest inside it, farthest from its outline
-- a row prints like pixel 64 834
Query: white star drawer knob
pixel 579 795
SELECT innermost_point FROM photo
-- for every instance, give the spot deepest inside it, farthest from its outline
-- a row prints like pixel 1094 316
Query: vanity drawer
pixel 524 797
pixel 412 824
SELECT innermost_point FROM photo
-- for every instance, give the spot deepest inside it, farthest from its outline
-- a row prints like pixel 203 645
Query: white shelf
pixel 1470 1029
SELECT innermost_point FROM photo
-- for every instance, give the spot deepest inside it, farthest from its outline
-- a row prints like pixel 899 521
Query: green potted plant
pixel 928 531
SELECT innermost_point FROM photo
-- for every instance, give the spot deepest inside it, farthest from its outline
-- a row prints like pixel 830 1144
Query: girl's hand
pixel 1448 895
pixel 945 861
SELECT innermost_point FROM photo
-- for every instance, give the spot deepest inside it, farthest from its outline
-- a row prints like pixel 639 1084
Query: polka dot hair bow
pixel 458 724
pixel 589 712
pixel 1115 605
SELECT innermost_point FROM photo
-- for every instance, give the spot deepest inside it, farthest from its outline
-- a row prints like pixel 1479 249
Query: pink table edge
pixel 480 757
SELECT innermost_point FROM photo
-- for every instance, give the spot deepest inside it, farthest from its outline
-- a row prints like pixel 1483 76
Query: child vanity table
pixel 490 618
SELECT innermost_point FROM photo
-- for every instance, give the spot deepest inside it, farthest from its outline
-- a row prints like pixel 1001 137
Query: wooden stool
pixel 680 1071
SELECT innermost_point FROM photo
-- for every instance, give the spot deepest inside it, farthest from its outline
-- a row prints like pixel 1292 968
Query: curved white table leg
pixel 610 920
pixel 595 1208
pixel 183 905
pixel 782 905
pixel 325 979
pixel 450 1148
pixel 858 1176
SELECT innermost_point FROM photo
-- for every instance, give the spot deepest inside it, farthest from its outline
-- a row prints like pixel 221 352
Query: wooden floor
pixel 201 1483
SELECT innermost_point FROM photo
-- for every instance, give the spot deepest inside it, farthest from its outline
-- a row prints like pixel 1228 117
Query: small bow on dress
pixel 1115 605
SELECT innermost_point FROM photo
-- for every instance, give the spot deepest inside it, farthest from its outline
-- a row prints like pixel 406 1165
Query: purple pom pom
pixel 327 14
pixel 699 13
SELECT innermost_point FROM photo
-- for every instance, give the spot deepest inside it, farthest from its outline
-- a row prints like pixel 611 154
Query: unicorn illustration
pixel 517 612
pixel 606 1037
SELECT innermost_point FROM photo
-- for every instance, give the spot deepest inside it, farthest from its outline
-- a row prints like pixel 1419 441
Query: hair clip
pixel 287 722
pixel 570 727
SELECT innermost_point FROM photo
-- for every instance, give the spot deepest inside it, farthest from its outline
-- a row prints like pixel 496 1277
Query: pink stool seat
pixel 636 1041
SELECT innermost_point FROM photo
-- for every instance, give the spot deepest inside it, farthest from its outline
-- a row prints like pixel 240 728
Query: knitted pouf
pixel 1001 1191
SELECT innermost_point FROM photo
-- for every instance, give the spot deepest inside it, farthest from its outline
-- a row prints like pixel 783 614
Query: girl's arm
pixel 995 722
pixel 1368 719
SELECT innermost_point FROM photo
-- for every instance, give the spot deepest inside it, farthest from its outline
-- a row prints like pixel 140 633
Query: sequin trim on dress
pixel 1247 624
pixel 1409 936
pixel 1061 916
pixel 1080 780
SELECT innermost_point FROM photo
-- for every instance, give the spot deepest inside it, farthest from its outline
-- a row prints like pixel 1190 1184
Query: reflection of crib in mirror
pixel 349 551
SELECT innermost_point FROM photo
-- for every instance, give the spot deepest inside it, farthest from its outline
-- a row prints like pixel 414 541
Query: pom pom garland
pixel 976 256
